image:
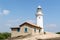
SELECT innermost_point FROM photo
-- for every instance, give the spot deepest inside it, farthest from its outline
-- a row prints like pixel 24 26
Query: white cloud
pixel 5 12
pixel 0 13
pixel 51 25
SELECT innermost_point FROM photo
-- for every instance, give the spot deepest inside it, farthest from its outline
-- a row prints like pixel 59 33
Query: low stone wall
pixel 50 39
pixel 39 39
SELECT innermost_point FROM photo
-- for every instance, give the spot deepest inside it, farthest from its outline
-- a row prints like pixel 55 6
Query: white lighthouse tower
pixel 39 16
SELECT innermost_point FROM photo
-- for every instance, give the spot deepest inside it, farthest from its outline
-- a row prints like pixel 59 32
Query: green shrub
pixel 58 33
pixel 5 35
pixel 44 32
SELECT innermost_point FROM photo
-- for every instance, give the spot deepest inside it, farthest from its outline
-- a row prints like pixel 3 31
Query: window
pixel 34 29
pixel 39 30
pixel 18 29
pixel 25 29
pixel 39 17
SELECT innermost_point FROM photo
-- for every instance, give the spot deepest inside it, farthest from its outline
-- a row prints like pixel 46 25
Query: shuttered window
pixel 39 30
pixel 34 29
pixel 25 30
pixel 18 29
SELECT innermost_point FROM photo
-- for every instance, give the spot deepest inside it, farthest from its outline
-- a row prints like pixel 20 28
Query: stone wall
pixel 50 39
pixel 37 39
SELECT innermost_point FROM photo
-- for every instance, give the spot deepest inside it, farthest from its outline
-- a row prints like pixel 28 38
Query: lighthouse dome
pixel 39 6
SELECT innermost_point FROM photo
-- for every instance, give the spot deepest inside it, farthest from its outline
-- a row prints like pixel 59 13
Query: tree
pixel 1 37
pixel 58 33
pixel 5 35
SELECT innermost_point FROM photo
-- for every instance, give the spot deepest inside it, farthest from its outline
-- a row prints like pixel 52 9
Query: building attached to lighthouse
pixel 28 28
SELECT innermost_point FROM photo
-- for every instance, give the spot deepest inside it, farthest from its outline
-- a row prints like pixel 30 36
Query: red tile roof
pixel 33 25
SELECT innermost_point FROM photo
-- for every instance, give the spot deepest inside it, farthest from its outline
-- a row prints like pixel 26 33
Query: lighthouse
pixel 39 17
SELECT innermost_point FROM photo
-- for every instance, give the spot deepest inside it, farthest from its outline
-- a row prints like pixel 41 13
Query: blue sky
pixel 15 12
